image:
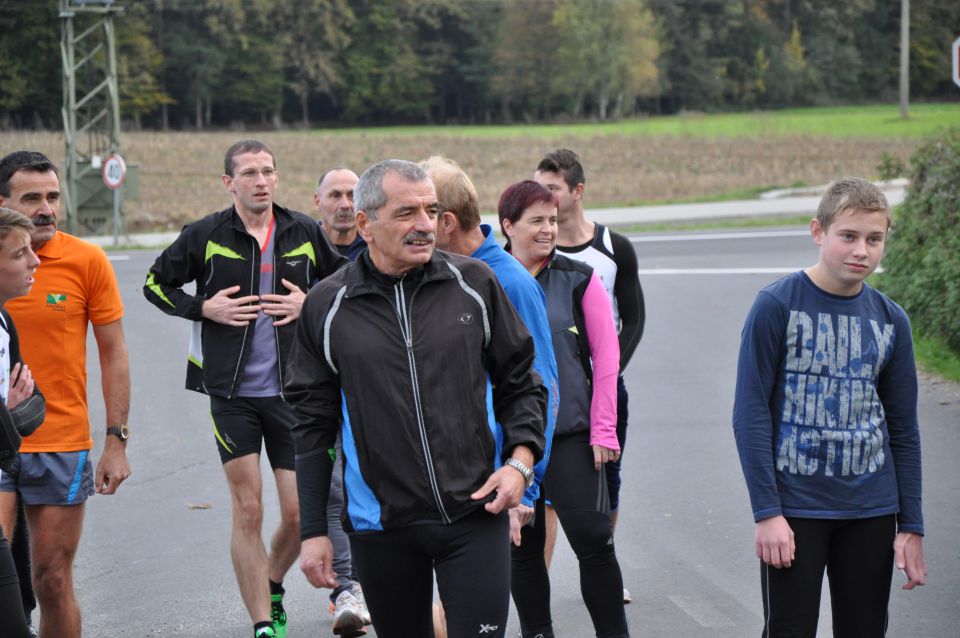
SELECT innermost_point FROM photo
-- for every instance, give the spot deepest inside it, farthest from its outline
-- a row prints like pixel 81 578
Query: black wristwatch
pixel 120 431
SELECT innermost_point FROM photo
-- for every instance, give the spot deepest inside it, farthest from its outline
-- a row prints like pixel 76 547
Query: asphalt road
pixel 152 563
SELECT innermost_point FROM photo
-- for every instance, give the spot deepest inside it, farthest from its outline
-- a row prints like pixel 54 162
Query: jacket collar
pixel 544 265
pixel 362 277
pixel 282 216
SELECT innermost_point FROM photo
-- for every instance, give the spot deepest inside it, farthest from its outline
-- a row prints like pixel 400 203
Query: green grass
pixel 882 120
pixel 934 357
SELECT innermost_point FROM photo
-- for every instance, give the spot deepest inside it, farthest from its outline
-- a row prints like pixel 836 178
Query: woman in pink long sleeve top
pixel 588 357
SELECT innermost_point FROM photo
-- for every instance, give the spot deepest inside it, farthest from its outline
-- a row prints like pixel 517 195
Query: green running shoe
pixel 278 616
pixel 265 632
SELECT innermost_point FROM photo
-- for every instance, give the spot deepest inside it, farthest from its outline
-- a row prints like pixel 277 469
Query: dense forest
pixel 198 64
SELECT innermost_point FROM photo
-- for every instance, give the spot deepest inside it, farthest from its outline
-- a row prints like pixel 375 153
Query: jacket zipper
pixel 246 328
pixel 406 332
pixel 276 331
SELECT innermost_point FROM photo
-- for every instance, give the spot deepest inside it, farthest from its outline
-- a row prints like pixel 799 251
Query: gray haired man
pixel 422 363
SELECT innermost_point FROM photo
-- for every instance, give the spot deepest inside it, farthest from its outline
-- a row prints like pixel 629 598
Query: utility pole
pixel 904 58
pixel 91 108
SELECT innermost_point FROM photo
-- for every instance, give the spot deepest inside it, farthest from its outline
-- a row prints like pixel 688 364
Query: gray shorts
pixel 50 478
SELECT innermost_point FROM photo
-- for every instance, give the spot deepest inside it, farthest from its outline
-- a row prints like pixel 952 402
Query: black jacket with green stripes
pixel 217 252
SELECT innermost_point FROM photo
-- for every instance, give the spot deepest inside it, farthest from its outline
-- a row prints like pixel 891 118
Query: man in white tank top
pixel 613 258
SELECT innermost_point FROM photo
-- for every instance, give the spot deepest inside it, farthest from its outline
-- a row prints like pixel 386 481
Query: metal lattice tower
pixel 91 105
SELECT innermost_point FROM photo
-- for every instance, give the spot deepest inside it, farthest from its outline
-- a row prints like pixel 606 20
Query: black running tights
pixel 578 492
pixel 11 605
pixel 858 557
pixel 472 560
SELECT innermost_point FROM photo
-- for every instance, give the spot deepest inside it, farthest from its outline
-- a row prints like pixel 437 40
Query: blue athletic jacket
pixel 528 298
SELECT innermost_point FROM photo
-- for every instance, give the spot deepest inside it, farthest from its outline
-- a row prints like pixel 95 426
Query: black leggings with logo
pixel 471 558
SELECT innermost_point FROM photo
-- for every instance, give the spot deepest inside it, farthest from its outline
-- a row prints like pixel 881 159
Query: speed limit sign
pixel 114 171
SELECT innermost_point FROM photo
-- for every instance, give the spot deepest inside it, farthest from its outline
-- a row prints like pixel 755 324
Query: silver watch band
pixel 525 471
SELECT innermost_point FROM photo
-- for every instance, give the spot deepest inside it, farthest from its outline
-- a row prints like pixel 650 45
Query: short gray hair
pixel 368 195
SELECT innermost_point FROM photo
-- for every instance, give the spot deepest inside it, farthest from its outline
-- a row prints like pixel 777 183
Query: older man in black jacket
pixel 419 355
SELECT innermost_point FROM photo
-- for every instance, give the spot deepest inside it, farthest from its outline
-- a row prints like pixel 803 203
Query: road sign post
pixel 114 171
pixel 955 56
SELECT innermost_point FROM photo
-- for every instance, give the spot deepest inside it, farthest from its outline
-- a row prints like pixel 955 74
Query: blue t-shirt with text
pixel 825 411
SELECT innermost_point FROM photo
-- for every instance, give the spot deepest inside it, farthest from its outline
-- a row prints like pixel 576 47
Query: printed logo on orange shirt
pixel 57 301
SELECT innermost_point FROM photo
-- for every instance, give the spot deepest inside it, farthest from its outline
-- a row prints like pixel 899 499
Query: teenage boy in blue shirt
pixel 825 418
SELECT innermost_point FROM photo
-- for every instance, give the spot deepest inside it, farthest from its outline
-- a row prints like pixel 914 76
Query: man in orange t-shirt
pixel 75 285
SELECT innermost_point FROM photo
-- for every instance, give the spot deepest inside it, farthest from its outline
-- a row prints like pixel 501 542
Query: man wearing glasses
pixel 253 264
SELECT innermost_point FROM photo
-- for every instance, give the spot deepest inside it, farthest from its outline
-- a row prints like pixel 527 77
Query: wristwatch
pixel 523 469
pixel 120 431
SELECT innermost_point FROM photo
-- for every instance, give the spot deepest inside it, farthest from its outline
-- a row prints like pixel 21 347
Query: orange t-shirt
pixel 75 284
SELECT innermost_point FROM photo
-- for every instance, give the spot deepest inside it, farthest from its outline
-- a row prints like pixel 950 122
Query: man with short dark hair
pixel 613 258
pixel 333 200
pixel 419 358
pixel 252 264
pixel 75 286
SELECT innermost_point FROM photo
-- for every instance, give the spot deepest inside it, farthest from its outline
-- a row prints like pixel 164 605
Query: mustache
pixel 42 219
pixel 418 235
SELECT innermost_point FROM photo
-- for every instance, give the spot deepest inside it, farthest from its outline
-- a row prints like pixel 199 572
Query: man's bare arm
pixel 113 468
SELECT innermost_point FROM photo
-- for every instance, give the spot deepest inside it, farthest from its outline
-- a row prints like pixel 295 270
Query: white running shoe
pixel 348 615
pixel 627 598
pixel 364 612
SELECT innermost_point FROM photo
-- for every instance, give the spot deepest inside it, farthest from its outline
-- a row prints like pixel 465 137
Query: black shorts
pixel 243 425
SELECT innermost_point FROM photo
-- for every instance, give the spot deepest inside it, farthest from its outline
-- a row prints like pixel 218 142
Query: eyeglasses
pixel 251 173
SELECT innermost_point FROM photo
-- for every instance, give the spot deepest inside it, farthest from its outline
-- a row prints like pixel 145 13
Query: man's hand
pixel 231 312
pixel 316 562
pixel 113 468
pixel 287 306
pixel 908 557
pixel 774 541
pixel 21 385
pixel 519 516
pixel 508 484
pixel 603 455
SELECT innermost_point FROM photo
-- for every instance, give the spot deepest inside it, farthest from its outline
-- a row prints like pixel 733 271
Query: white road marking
pixel 766 234
pixel 718 271
pixel 702 611
pixel 118 257
pixel 725 271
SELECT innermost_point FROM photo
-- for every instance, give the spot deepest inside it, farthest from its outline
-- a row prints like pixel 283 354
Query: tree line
pixel 196 64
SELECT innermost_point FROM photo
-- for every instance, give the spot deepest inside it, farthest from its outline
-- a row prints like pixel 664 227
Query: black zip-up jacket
pixel 564 282
pixel 24 419
pixel 406 364
pixel 217 252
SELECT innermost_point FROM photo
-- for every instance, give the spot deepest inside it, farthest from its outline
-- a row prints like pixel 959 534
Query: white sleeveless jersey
pixel 598 254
